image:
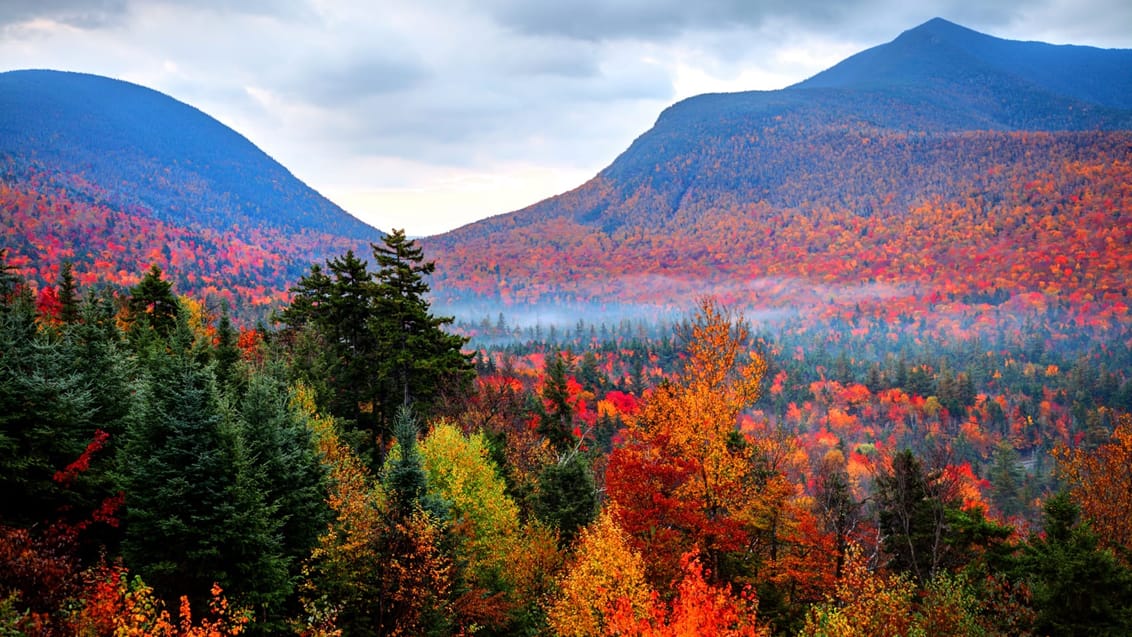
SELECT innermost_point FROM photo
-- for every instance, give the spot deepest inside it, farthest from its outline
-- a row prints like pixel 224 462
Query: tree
pixel 685 476
pixel 556 419
pixel 193 515
pixel 284 470
pixel 419 358
pixel 566 498
pixel 377 344
pixel 485 524
pixel 152 304
pixel 912 517
pixel 342 575
pixel 1100 482
pixel 604 569
pixel 924 527
pixel 1079 588
pixel 45 415
pixel 68 297
pixel 416 584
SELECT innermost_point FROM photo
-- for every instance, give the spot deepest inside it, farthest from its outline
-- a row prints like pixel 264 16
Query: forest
pixel 359 465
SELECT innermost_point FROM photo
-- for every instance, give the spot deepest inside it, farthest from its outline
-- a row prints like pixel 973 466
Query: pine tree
pixel 152 305
pixel 68 297
pixel 1078 588
pixel 419 359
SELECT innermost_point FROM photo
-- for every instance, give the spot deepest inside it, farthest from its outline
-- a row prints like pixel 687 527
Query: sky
pixel 429 114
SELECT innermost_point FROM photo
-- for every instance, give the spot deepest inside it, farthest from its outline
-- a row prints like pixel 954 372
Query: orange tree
pixel 684 476
pixel 1100 482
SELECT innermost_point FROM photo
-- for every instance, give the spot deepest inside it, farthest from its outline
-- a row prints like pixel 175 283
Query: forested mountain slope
pixel 945 166
pixel 116 177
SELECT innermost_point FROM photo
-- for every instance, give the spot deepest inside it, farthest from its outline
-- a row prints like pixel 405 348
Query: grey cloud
pixel 346 81
pixel 651 19
pixel 79 13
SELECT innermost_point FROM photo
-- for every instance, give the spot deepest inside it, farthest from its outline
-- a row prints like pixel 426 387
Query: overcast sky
pixel 429 114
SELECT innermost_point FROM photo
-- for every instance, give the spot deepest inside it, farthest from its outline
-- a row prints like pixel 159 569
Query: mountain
pixel 83 157
pixel 942 170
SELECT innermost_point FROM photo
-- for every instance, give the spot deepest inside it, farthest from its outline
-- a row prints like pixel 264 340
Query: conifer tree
pixel 1078 587
pixel 419 359
pixel 45 414
pixel 194 516
pixel 68 296
pixel 152 304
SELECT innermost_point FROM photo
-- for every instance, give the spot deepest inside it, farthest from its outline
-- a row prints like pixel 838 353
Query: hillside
pixel 930 174
pixel 84 157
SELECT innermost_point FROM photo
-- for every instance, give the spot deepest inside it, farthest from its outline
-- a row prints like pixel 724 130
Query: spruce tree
pixel 284 468
pixel 419 360
pixel 45 415
pixel 152 305
pixel 194 516
pixel 1078 588
pixel 68 295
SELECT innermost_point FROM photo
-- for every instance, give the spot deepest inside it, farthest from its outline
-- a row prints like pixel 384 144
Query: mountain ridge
pixel 117 131
pixel 826 183
pixel 117 177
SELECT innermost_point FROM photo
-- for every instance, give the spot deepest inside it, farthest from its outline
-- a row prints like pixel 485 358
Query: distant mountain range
pixel 83 157
pixel 945 172
pixel 946 164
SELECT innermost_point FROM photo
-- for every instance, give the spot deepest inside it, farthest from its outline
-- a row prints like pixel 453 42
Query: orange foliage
pixel 1101 482
pixel 698 609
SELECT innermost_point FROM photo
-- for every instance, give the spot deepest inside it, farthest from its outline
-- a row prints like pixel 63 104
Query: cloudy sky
pixel 429 114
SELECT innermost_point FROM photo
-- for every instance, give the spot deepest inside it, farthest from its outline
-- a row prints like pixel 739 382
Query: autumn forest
pixel 849 358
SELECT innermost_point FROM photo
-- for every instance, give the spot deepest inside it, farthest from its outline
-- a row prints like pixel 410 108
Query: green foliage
pixel 405 480
pixel 556 419
pixel 1078 588
pixel 567 498
pixel 380 346
pixel 152 305
pixel 46 414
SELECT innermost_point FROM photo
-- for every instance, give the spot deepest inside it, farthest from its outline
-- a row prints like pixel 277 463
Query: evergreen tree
pixel 152 305
pixel 556 422
pixel 45 414
pixel 405 480
pixel 912 517
pixel 566 497
pixel 68 296
pixel 285 465
pixel 227 352
pixel 381 348
pixel 193 515
pixel 1006 480
pixel 1078 588
pixel 419 359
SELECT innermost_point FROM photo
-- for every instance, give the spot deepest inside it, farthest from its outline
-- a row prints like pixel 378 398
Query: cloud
pixel 77 13
pixel 652 19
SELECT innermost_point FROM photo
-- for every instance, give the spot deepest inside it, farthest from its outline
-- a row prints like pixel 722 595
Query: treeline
pixel 355 471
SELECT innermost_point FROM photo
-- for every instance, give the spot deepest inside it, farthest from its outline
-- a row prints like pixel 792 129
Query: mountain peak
pixel 941 55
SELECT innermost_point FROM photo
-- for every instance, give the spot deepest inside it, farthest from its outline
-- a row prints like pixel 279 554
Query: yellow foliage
pixel 604 570
pixel 461 472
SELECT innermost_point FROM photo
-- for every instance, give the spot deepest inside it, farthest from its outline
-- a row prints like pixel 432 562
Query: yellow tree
pixel 604 570
pixel 867 604
pixel 1100 481
pixel 340 575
